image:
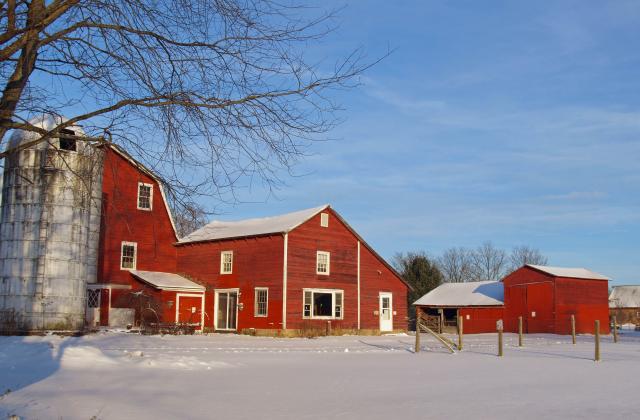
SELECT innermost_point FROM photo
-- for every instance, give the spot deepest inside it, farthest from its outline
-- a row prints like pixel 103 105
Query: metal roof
pixel 252 227
pixel 625 297
pixel 478 293
pixel 576 273
pixel 167 281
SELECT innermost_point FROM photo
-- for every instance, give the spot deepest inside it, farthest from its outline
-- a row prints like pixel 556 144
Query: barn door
pixel 189 309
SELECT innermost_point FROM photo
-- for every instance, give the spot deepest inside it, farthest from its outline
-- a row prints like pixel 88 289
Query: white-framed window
pixel 323 304
pixel 226 262
pixel 261 302
pixel 324 219
pixel 67 140
pixel 128 255
pixel 145 196
pixel 323 262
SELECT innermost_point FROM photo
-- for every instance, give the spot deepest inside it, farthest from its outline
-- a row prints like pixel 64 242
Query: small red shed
pixel 547 297
pixel 479 303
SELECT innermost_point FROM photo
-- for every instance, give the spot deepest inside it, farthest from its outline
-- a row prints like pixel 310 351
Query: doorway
pixel 226 310
pixel 386 312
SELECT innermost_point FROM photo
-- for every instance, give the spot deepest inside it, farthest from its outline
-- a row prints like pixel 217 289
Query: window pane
pixel 144 196
pixel 322 262
pixel 338 308
pixel 322 304
pixel 128 256
pixel 261 302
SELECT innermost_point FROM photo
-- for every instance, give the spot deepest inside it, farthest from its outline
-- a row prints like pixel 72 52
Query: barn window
pixel 93 298
pixel 323 261
pixel 67 143
pixel 322 304
pixel 226 262
pixel 261 298
pixel 145 196
pixel 128 255
pixel 324 219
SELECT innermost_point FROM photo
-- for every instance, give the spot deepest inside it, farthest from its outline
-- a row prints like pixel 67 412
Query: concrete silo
pixel 49 230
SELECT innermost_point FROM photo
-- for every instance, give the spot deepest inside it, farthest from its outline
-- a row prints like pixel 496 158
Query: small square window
pixel 324 219
pixel 261 298
pixel 67 143
pixel 226 262
pixel 145 196
pixel 323 262
pixel 128 255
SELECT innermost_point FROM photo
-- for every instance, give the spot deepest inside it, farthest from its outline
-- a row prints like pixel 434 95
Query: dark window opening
pixel 67 143
pixel 322 304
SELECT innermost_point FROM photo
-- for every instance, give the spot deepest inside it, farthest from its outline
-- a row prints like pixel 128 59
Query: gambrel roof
pixel 476 293
pixel 284 223
pixel 576 273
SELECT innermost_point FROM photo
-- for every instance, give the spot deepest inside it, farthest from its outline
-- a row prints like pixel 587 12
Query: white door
pixel 226 310
pixel 93 307
pixel 386 312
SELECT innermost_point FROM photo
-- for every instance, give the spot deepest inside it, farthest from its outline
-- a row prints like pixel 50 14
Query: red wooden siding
pixel 481 319
pixel 122 221
pixel 303 243
pixel 554 300
pixel 376 277
pixel 257 262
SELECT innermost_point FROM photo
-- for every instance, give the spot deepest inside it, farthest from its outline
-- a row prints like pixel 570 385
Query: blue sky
pixel 515 122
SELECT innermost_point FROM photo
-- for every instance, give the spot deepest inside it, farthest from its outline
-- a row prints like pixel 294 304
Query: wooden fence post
pixel 597 337
pixel 615 329
pixel 460 332
pixel 417 348
pixel 500 328
pixel 573 329
pixel 328 327
pixel 520 331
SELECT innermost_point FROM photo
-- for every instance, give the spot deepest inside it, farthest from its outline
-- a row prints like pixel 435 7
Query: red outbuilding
pixel 545 297
pixel 297 271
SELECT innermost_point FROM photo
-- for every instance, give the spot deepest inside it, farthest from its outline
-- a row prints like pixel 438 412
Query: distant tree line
pixel 458 264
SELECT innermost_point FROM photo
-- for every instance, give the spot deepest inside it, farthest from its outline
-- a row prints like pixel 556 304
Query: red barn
pixel 137 255
pixel 545 297
pixel 295 271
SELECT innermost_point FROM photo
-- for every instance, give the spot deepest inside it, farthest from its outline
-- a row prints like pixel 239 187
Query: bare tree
pixel 189 218
pixel 456 265
pixel 489 262
pixel 522 255
pixel 205 92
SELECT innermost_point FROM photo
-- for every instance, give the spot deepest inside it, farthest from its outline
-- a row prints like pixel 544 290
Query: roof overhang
pixel 167 281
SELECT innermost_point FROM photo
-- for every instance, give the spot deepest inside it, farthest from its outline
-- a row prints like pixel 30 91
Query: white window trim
pixel 255 302
pixel 328 254
pixel 135 254
pixel 222 254
pixel 140 184
pixel 216 292
pixel 333 303
pixel 324 220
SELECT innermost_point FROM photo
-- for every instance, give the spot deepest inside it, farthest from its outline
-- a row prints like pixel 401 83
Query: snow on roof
pixel 625 297
pixel 252 227
pixel 167 281
pixel 576 273
pixel 478 293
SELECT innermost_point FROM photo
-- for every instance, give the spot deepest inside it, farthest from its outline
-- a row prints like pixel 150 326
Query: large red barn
pixel 295 271
pixel 545 298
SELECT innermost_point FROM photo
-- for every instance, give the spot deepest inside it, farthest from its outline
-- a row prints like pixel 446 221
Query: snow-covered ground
pixel 125 376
